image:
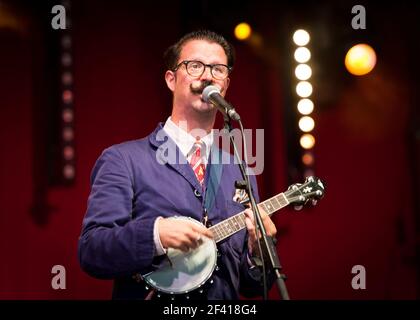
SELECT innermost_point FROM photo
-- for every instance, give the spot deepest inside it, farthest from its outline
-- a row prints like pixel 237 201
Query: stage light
pixel 308 159
pixel 307 141
pixel 301 37
pixel 67 115
pixel 68 171
pixel 304 89
pixel 243 31
pixel 67 96
pixel 302 54
pixel 303 72
pixel 305 106
pixel 66 59
pixel 68 153
pixel 68 134
pixel 306 124
pixel 67 78
pixel 360 59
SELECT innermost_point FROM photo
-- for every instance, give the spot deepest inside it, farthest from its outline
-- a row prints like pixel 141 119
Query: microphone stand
pixel 267 241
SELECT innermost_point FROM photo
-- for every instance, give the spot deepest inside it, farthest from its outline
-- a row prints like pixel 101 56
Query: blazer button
pixel 197 193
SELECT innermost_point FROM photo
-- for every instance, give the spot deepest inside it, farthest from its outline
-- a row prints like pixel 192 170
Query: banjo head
pixel 183 272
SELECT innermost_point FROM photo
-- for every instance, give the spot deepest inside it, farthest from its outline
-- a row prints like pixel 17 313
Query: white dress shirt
pixel 185 142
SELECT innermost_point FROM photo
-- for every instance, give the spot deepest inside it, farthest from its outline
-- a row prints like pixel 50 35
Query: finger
pixel 263 214
pixel 249 222
pixel 190 240
pixel 202 230
pixel 207 233
pixel 270 228
pixel 184 248
pixel 194 239
pixel 249 214
pixel 251 226
pixel 251 229
pixel 179 245
pixel 186 241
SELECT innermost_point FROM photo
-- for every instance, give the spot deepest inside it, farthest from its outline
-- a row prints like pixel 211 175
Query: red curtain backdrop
pixel 365 219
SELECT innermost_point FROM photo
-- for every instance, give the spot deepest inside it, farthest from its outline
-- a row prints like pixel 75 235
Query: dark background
pixel 367 131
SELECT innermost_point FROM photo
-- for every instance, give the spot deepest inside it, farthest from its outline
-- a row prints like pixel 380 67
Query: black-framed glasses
pixel 196 69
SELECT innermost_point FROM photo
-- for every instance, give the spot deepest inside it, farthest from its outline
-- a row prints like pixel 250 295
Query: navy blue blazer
pixel 129 190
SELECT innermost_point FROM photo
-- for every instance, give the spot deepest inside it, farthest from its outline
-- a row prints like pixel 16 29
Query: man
pixel 127 229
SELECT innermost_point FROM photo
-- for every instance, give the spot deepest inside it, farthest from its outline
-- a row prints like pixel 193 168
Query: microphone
pixel 212 94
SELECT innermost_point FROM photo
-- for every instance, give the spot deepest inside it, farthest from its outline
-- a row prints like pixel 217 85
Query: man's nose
pixel 207 74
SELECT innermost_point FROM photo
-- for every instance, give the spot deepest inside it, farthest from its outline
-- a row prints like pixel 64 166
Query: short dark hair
pixel 172 54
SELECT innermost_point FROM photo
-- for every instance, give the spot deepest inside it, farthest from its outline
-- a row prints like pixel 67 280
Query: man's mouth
pixel 198 89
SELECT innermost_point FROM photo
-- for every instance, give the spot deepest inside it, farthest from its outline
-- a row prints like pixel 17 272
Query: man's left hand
pixel 269 226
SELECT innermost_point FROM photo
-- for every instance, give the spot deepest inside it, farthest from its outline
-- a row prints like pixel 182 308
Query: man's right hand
pixel 181 234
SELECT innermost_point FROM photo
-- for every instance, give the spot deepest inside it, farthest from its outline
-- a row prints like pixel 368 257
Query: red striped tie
pixel 197 163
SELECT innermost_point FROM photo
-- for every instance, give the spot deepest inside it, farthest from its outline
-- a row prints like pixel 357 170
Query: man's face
pixel 186 88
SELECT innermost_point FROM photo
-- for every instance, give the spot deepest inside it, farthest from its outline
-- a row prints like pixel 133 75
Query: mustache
pixel 199 89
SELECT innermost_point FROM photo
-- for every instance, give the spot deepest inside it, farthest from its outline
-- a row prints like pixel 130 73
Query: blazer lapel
pixel 167 153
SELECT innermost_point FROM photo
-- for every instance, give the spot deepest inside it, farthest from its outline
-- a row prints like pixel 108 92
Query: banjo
pixel 184 272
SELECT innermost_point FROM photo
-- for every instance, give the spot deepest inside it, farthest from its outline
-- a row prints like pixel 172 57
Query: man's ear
pixel 226 86
pixel 170 80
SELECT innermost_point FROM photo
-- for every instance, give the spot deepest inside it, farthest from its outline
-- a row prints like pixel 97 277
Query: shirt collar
pixel 184 140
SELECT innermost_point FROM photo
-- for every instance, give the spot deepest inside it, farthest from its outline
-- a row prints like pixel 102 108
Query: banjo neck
pixel 236 223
